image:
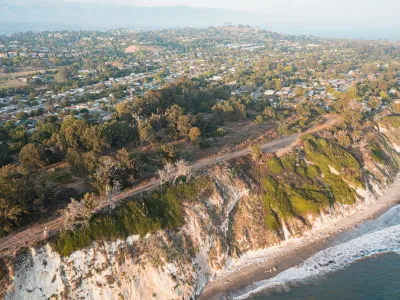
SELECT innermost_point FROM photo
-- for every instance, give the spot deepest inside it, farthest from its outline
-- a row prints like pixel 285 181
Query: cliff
pixel 238 208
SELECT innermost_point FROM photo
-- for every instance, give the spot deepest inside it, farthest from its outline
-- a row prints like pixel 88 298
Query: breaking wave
pixel 373 237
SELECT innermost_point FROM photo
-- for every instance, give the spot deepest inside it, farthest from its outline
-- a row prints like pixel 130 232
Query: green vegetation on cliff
pixel 303 183
pixel 160 210
pixel 296 185
pixel 393 121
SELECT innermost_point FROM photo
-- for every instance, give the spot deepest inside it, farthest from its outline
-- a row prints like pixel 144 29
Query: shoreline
pixel 293 252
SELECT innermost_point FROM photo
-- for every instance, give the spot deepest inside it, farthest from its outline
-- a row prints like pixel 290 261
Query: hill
pixel 29 15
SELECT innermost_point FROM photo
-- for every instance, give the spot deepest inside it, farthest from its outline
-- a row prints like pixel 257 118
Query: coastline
pixel 267 263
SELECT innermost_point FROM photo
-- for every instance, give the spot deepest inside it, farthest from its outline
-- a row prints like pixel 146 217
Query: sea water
pixel 374 278
pixel 363 263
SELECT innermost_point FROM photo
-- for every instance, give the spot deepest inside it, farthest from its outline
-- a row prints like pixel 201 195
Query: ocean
pixel 368 279
pixel 362 263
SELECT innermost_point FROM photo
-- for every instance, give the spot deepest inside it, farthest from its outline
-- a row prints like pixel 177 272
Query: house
pixel 269 93
pixel 216 78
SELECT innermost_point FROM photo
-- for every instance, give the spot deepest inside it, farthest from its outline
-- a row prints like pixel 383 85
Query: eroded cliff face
pixel 219 228
pixel 165 265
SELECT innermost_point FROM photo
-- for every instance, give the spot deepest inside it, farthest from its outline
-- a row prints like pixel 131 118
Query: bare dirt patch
pixel 137 48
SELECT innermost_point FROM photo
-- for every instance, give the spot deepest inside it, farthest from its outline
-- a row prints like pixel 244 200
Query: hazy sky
pixel 357 9
pixel 337 18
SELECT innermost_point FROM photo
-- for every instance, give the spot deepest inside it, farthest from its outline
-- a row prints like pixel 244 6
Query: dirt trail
pixel 36 233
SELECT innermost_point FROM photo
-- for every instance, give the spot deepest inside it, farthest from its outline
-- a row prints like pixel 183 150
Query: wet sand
pixel 293 252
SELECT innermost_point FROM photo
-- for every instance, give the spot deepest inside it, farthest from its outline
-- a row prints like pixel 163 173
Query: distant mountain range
pixel 38 15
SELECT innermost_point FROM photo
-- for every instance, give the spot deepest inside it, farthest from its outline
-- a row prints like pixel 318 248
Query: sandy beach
pixel 265 264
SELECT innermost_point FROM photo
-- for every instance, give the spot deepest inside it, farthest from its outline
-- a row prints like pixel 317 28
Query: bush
pixel 341 191
pixel 157 211
pixel 324 154
pixel 271 221
pixel 276 198
pixel 303 206
pixel 60 177
pixel 312 172
pixel 259 120
pixel 393 121
pixel 274 165
pixel 289 161
pixel 378 155
pixel 3 270
pixel 204 144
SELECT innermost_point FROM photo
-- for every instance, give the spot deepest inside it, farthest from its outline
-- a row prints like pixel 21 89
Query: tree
pixel 120 132
pixel 374 102
pixel 22 115
pixel 78 213
pixel 184 125
pixel 125 111
pixel 75 159
pixel 90 203
pixel 259 120
pixel 174 113
pixel 269 112
pixel 146 133
pixel 384 96
pixel 20 196
pixel 111 193
pixel 29 156
pixel 343 139
pixel 90 160
pixel 182 169
pixel 8 214
pixel 278 84
pixel 194 134
pixel 299 91
pixel 63 75
pixel 171 172
pixel 106 172
pixel 166 152
pixel 5 155
pixel 126 166
pixel 256 152
pixel 172 132
pixel 93 139
pixel 167 174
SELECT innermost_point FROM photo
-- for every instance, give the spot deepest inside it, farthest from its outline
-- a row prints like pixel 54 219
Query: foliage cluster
pixel 159 210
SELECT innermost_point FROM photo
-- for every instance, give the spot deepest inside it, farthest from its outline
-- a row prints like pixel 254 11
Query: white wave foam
pixel 332 259
pixel 390 218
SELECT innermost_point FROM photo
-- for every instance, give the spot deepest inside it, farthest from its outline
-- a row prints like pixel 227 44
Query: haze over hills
pixel 38 15
pixel 106 15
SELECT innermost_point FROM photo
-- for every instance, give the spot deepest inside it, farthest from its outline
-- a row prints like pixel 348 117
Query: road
pixel 36 233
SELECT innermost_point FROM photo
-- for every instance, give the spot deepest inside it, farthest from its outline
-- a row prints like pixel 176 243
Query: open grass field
pixel 29 72
pixel 12 83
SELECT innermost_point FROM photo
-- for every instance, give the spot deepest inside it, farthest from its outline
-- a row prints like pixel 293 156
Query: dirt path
pixel 36 233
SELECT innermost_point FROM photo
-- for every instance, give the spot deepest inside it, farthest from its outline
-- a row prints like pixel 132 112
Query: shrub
pixel 312 172
pixel 393 121
pixel 259 120
pixel 3 270
pixel 303 206
pixel 289 161
pixel 157 211
pixel 274 165
pixel 271 221
pixel 341 192
pixel 275 197
pixel 324 154
pixel 378 155
pixel 204 144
